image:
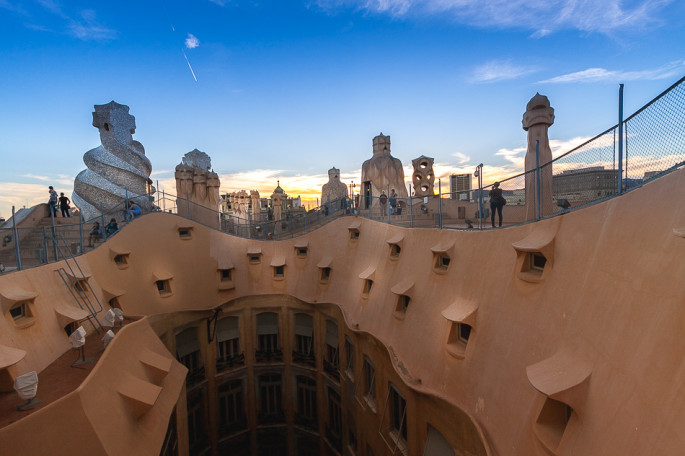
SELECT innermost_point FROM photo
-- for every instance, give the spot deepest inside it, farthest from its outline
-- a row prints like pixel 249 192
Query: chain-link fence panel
pixel 655 138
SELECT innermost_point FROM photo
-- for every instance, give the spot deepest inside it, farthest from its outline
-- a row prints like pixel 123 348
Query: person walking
pixel 52 202
pixel 64 203
pixel 497 202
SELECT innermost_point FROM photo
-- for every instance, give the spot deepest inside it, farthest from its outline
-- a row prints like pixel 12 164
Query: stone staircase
pixel 36 243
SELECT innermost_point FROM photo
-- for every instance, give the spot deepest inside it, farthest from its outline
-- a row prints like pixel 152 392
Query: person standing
pixel 52 202
pixel 64 203
pixel 497 202
pixel 393 201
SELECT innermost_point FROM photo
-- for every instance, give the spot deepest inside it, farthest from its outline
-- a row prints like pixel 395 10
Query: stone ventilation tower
pixel 423 178
pixel 537 119
pixel 278 201
pixel 116 169
pixel 197 188
pixel 333 190
pixel 381 173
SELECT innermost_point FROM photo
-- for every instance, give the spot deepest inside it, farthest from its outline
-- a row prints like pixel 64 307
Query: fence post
pixel 102 224
pixel 387 208
pixel 45 247
pixel 188 206
pixel 620 139
pixel 80 233
pixel 411 209
pixel 16 240
pixel 479 175
pixel 54 236
pixel 537 179
pixel 440 203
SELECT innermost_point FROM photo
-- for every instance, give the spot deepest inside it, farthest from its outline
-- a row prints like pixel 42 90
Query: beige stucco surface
pixel 609 302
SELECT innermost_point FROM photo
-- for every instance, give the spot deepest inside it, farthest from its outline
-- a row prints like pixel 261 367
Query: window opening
pixel 267 337
pixel 368 283
pixel 442 261
pixel 325 274
pixel 188 354
pixel 349 356
pixel 279 272
pixel 228 350
pixel 331 361
pixel 226 275
pixel 306 402
pixel 402 303
pixel 18 311
pixel 537 261
pixel 163 287
pixel 398 411
pixel 334 427
pixel 231 407
pixel 369 382
pixel 304 339
pixel 121 259
pixel 270 398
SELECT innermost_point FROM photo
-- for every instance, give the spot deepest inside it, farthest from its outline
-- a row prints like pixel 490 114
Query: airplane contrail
pixel 191 68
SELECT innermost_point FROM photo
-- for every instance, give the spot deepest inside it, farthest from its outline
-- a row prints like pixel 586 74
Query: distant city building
pixel 585 184
pixel 460 186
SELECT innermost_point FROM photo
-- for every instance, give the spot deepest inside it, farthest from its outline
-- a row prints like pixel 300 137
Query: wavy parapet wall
pixel 117 169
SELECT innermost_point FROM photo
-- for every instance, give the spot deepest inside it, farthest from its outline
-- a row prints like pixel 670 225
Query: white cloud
pixel 670 70
pixel 219 2
pixel 461 158
pixel 494 71
pixel 584 15
pixel 192 42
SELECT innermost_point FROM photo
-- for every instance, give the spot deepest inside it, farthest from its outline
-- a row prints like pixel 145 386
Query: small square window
pixel 402 303
pixel 21 315
pixel 185 233
pixel 279 272
pixel 81 285
pixel 552 422
pixel 121 260
pixel 464 332
pixel 395 250
pixel 368 283
pixel 458 339
pixel 226 275
pixel 441 262
pixel 255 259
pixel 164 287
pixel 537 261
pixel 325 274
pixel 301 252
pixel 18 311
pixel 354 234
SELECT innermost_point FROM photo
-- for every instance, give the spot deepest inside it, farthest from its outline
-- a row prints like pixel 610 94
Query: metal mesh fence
pixel 655 137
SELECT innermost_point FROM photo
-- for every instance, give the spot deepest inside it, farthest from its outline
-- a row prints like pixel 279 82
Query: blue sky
pixel 287 89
